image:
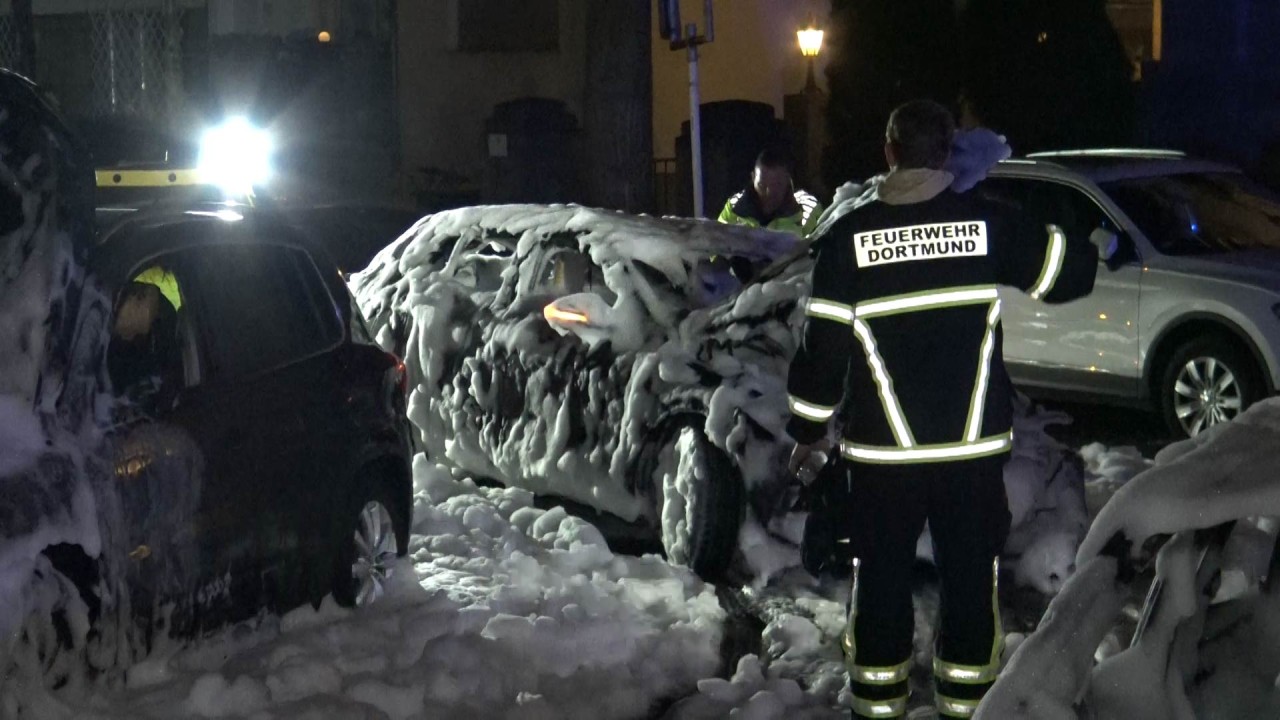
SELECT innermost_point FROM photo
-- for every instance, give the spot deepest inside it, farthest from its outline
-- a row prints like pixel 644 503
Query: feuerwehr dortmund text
pixel 921 242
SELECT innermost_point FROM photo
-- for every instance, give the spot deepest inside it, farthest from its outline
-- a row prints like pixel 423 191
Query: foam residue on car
pixel 51 337
pixel 582 419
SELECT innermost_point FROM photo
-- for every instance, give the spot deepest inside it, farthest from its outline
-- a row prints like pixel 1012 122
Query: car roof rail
pixel 1117 152
pixel 127 188
pixel 135 177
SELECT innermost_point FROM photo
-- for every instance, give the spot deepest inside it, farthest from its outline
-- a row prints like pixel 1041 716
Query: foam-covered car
pixel 632 364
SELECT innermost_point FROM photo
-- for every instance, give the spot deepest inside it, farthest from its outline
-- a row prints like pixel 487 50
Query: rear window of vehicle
pixel 480 264
pixel 262 306
pixel 1200 213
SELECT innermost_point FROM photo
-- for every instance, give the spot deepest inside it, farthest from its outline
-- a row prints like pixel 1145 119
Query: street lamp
pixel 804 111
pixel 810 39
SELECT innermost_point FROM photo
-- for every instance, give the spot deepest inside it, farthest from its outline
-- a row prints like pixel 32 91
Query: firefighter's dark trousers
pixel 964 502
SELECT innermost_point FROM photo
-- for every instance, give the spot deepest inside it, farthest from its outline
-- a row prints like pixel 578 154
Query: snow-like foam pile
pixel 1199 483
pixel 506 610
pixel 1107 469
pixel 501 610
pixel 1045 487
pixel 799 671
pixel 751 695
pixel 1208 644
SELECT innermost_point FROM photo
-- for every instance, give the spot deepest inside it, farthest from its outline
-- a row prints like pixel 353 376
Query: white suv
pixel 1190 325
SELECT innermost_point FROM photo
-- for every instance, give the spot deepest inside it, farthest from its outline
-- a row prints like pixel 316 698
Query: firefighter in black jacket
pixel 903 341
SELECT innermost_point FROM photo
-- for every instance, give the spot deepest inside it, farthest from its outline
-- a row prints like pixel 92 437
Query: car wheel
pixel 698 502
pixel 367 550
pixel 1207 381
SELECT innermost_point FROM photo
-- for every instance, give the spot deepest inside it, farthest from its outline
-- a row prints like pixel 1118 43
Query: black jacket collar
pixel 748 206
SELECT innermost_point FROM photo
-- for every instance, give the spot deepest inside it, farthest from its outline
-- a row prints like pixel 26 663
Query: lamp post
pixel 804 111
pixel 688 38
pixel 810 39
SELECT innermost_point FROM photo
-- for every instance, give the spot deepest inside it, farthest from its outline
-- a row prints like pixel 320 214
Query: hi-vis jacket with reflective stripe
pixel 902 337
pixel 798 217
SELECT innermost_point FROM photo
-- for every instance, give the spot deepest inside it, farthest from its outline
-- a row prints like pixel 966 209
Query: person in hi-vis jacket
pixel 902 343
pixel 772 200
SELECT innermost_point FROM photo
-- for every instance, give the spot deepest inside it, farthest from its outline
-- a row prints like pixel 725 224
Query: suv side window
pixel 479 265
pixel 566 271
pixel 260 307
pixel 149 354
pixel 1050 202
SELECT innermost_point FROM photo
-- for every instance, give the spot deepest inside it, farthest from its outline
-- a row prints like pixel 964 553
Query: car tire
pixel 1207 380
pixel 373 535
pixel 698 502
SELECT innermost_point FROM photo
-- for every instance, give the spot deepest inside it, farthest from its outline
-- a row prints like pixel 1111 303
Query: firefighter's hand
pixel 1111 252
pixel 808 460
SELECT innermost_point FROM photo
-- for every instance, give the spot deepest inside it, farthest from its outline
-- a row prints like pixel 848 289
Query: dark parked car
pixel 350 232
pixel 255 453
pixel 263 428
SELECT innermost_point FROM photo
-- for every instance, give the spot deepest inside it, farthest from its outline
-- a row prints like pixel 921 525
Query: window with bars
pixel 137 61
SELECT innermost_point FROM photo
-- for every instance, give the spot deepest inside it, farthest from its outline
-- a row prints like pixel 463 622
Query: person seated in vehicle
pixel 165 281
pixel 143 356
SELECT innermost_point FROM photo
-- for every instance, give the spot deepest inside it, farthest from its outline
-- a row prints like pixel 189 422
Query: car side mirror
pixel 586 315
pixel 597 323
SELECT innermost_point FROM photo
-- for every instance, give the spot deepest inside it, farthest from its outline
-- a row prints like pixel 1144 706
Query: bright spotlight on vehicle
pixel 235 156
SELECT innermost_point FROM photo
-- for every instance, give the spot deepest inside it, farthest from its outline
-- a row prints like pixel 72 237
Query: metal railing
pixel 137 60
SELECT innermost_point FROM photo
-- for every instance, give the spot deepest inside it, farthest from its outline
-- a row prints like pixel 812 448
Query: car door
pixel 443 350
pixel 155 520
pixel 257 404
pixel 557 399
pixel 1087 345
